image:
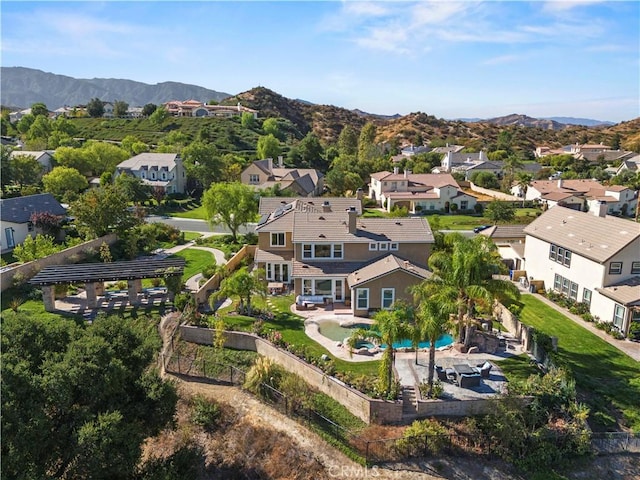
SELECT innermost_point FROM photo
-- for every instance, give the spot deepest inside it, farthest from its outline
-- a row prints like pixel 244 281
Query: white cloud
pixel 502 59
pixel 557 6
pixel 365 9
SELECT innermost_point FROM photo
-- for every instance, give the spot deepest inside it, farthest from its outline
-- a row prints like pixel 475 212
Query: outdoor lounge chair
pixel 485 369
pixel 451 374
pixel 467 381
pixel 442 374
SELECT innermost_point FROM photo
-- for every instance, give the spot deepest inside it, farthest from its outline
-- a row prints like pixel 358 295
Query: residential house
pixel 330 252
pixel 44 157
pixel 510 242
pixel 589 257
pixel 448 148
pixel 632 164
pixel 15 217
pixel 162 171
pixel 262 174
pixel 418 192
pixel 194 108
pixel 581 194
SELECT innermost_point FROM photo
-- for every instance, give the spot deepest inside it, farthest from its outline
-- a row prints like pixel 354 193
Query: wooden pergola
pixel 93 275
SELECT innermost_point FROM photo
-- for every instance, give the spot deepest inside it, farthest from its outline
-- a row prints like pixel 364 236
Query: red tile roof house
pixel 582 195
pixel 418 192
pixel 326 250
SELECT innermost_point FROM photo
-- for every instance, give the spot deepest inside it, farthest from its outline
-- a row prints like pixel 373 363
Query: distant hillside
pixel 587 122
pixel 526 121
pixel 25 86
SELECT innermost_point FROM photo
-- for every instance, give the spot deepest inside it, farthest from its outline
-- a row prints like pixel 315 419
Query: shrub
pixel 436 391
pixel 181 300
pixel 422 437
pixel 263 371
pixel 205 413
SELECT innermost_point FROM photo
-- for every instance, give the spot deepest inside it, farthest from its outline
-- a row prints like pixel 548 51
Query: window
pixel 384 246
pixel 307 289
pixel 618 316
pixel 586 296
pixel 393 246
pixel 277 239
pixel 322 250
pixel 573 291
pixel 635 268
pixel 373 246
pixel 388 296
pixel 557 282
pixel 464 204
pixel 362 299
pixel 615 268
pixel 254 178
pixel 30 226
pixel 337 250
pixel 560 255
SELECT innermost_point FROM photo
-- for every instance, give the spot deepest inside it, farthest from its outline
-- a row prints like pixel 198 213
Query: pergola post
pixel 92 296
pixel 99 288
pixel 49 298
pixel 135 287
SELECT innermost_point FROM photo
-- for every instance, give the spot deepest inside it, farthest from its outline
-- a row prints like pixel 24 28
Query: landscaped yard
pixel 291 327
pixel 198 213
pixel 196 259
pixel 607 379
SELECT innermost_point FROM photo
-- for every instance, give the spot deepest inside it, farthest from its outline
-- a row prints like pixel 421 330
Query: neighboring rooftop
pixel 146 160
pixel 20 209
pixel 594 237
pixel 385 266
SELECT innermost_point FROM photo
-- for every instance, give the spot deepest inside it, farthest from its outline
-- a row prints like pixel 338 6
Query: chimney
pixel 396 170
pixel 481 156
pixel 359 194
pixel 559 183
pixel 280 162
pixel 353 217
pixel 601 209
pixel 406 174
pixel 326 206
pixel 270 164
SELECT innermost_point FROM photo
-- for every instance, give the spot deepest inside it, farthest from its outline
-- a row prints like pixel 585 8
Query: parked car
pixel 480 228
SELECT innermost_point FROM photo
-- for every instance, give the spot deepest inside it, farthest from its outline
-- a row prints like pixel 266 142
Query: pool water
pixel 333 331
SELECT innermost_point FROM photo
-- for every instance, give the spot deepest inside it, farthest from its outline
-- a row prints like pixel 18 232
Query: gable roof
pixel 427 180
pixel 574 187
pixel 597 238
pixel 19 209
pixel 504 231
pixel 145 160
pixel 384 266
pixel 337 204
pixel 33 153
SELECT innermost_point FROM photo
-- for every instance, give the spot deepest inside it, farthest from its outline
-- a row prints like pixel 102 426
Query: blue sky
pixel 448 59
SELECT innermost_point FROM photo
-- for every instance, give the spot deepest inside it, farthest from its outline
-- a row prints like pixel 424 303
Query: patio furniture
pixel 451 375
pixel 442 374
pixel 485 369
pixel 463 369
pixel 468 380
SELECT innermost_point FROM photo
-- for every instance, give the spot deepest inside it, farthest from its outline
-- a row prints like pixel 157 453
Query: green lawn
pixel 457 222
pixel 607 379
pixel 517 369
pixel 188 236
pixel 198 213
pixel 196 261
pixel 292 328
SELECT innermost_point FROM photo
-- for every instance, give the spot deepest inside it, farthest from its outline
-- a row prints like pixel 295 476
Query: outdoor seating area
pixel 464 375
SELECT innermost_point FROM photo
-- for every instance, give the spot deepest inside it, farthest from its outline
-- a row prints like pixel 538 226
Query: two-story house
pixel 326 249
pixel 418 192
pixel 44 157
pixel 162 171
pixel 510 242
pixel 15 217
pixel 589 257
pixel 262 174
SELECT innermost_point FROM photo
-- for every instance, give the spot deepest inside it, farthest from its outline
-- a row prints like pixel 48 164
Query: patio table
pixel 464 368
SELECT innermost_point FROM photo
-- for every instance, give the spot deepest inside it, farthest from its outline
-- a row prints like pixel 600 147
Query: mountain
pixel 587 122
pixel 526 121
pixel 25 86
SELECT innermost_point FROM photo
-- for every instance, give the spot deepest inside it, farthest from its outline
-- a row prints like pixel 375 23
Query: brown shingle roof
pixel 597 238
pixel 385 266
pixel 504 231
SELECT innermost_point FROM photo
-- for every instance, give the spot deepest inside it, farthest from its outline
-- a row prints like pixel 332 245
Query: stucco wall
pixel 495 194
pixel 365 408
pixel 30 269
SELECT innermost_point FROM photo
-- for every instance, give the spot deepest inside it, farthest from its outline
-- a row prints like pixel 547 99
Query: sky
pixel 469 59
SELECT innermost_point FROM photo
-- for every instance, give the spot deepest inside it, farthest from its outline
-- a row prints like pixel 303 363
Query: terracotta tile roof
pixel 385 266
pixel 597 238
pixel 569 186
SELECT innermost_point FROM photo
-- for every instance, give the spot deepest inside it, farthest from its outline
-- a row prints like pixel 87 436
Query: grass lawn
pixel 607 379
pixel 291 327
pixel 457 222
pixel 196 261
pixel 517 369
pixel 198 213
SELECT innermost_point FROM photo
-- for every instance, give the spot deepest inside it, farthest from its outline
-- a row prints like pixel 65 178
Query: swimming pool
pixel 334 331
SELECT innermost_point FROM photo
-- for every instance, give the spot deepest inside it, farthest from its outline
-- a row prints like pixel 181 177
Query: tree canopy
pixel 231 204
pixel 65 183
pixel 102 210
pixel 95 108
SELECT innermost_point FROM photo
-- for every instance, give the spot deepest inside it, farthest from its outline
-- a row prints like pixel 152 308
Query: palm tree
pixel 464 277
pixel 433 319
pixel 524 179
pixel 388 327
pixel 244 285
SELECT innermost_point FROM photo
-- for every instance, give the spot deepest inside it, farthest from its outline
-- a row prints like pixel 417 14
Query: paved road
pixel 193 225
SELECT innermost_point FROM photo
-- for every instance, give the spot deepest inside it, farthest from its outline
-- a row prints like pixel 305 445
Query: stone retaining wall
pixel 368 409
pixel 27 270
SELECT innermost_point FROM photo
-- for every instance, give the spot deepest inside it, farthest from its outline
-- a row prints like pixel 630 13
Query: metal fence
pixel 374 451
